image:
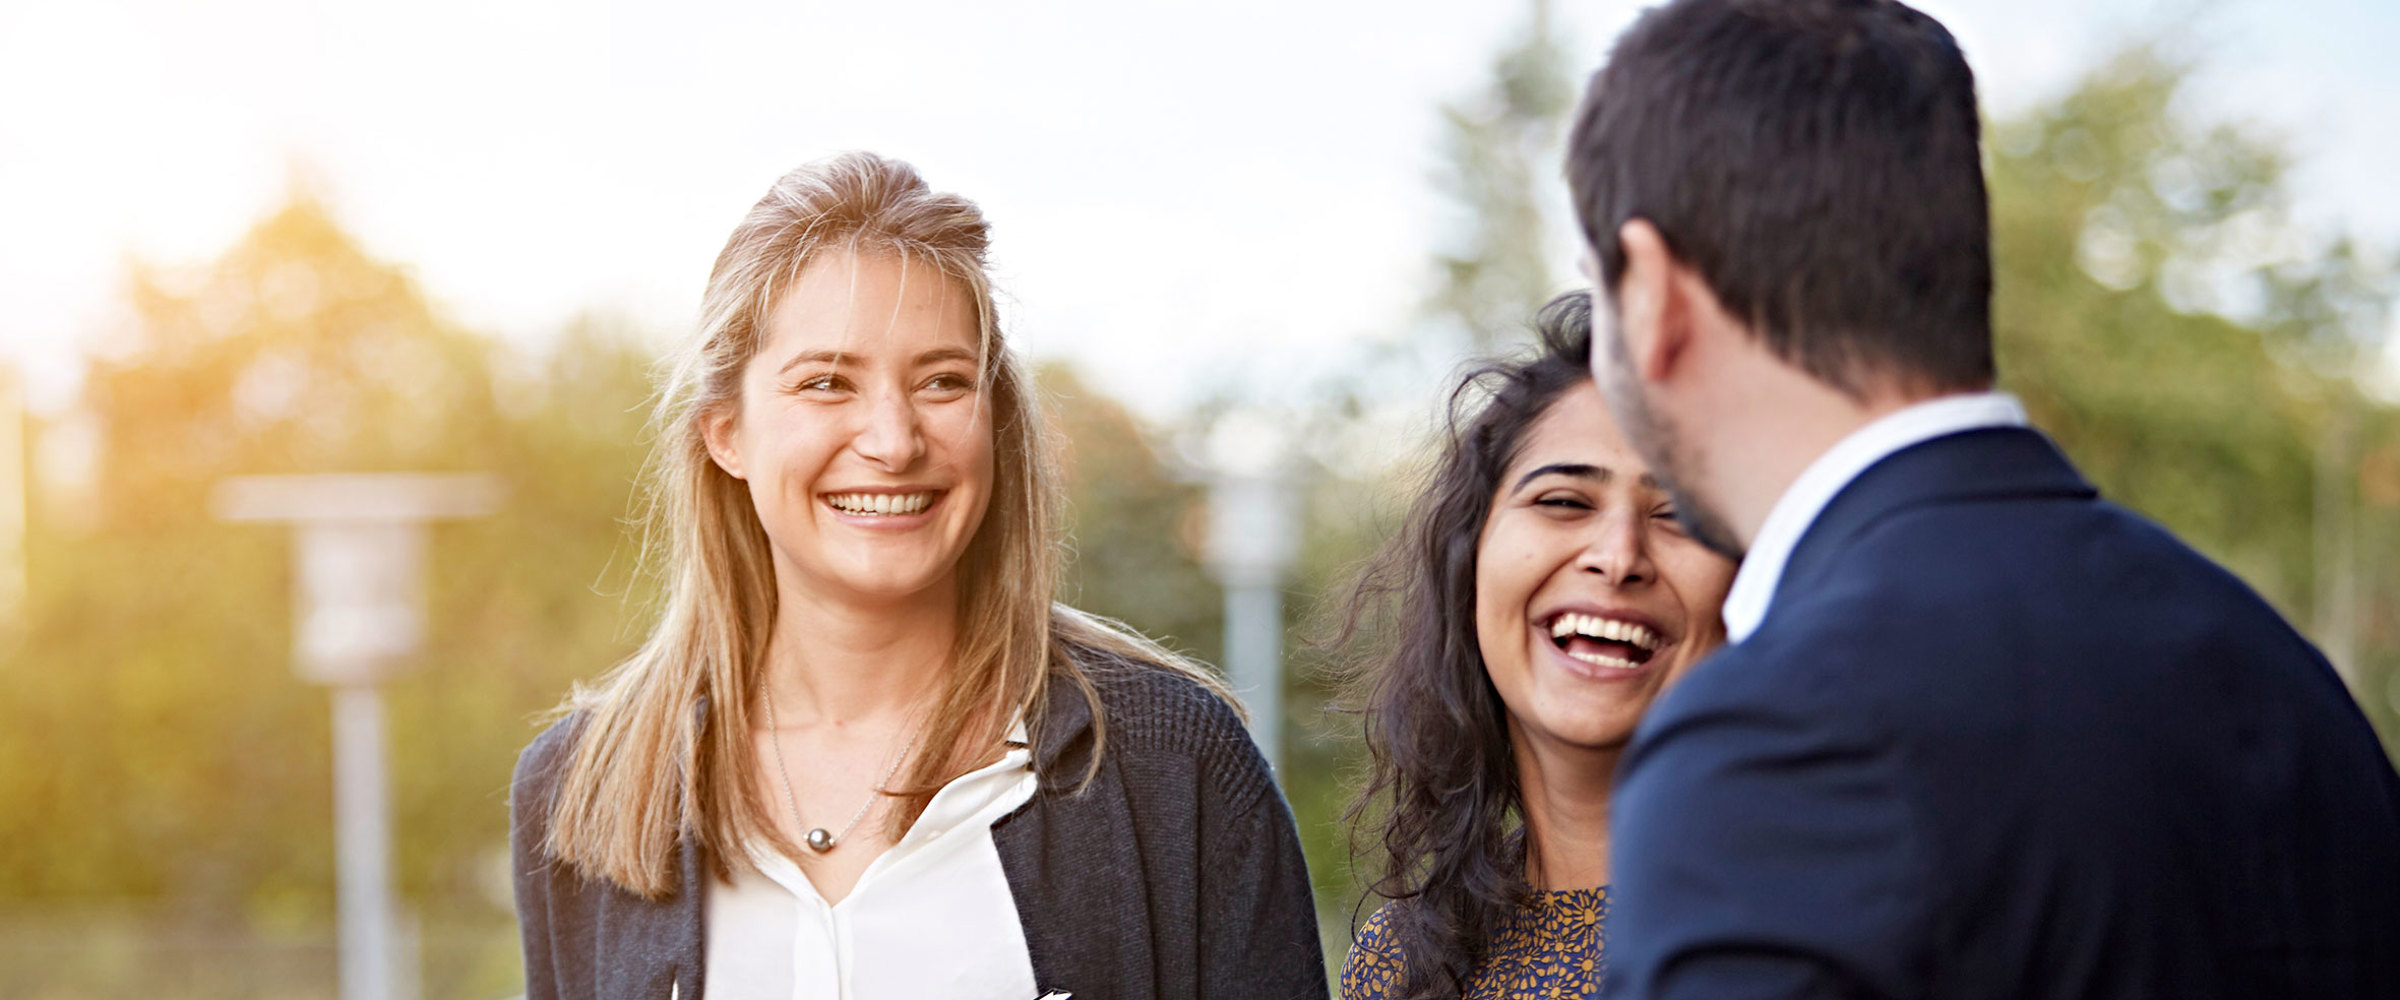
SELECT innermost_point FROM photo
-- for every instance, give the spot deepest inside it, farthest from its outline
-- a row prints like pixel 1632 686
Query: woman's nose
pixel 1618 549
pixel 891 438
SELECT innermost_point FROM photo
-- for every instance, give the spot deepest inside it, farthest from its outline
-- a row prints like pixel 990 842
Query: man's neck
pixel 1762 436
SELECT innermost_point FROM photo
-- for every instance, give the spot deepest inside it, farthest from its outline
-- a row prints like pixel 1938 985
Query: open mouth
pixel 881 504
pixel 1603 642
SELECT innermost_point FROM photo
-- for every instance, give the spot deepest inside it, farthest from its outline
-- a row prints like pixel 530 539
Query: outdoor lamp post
pixel 360 615
pixel 1253 537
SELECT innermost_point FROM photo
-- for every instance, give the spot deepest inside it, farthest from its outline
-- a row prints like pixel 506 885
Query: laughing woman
pixel 862 754
pixel 1539 597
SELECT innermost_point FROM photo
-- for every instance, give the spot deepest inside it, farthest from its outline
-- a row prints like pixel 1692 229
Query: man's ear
pixel 1652 299
pixel 717 431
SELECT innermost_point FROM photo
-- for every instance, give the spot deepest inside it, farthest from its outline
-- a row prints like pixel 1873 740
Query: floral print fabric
pixel 1548 950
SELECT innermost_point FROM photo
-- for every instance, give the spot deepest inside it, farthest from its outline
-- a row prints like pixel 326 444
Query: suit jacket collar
pixel 1998 463
pixel 1807 496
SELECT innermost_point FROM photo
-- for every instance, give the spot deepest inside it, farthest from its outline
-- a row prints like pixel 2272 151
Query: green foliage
pixel 1134 552
pixel 2182 415
pixel 156 639
pixel 1500 147
pixel 157 754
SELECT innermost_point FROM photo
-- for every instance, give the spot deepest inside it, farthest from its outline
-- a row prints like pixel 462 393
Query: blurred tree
pixel 156 646
pixel 156 749
pixel 1133 531
pixel 526 602
pixel 1500 152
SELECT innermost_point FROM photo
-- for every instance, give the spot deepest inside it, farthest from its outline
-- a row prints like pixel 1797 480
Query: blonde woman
pixel 862 753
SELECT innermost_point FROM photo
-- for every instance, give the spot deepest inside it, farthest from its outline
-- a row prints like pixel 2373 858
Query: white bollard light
pixel 359 562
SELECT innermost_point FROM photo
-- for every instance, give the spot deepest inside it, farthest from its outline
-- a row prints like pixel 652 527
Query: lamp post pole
pixel 359 562
pixel 1253 538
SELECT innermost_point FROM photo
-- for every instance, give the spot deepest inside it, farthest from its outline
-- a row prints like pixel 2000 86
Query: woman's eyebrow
pixel 1575 469
pixel 940 355
pixel 837 359
pixel 833 358
pixel 1595 473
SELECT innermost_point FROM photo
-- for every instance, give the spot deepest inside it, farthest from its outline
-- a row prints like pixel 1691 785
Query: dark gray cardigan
pixel 1176 874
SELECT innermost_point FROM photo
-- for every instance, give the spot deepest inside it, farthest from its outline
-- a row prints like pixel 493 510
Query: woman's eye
pixel 820 383
pixel 950 383
pixel 1563 502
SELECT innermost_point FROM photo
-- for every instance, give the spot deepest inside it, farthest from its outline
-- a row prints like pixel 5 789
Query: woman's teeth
pixel 1606 629
pixel 1609 635
pixel 880 504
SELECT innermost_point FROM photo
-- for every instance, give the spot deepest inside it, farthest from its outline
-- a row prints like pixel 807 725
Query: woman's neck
pixel 1566 794
pixel 842 662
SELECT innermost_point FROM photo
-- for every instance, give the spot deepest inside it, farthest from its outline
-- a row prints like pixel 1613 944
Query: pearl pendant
pixel 819 840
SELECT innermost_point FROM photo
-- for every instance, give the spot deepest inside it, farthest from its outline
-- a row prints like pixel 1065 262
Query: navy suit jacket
pixel 1999 738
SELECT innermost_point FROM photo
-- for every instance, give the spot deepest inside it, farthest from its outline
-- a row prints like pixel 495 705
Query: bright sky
pixel 1183 193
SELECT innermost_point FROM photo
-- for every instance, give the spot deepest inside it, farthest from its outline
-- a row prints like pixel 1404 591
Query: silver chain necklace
pixel 819 839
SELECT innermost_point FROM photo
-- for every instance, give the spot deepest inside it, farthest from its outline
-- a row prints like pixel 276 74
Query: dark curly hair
pixel 1441 803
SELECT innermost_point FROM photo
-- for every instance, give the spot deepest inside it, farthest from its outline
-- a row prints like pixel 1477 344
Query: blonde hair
pixel 650 766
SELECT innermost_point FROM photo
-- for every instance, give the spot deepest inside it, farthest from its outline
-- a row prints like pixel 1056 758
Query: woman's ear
pixel 717 430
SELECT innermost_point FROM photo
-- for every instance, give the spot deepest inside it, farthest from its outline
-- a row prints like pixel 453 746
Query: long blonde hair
pixel 650 766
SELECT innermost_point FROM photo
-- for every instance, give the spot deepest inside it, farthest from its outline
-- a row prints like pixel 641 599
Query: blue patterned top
pixel 1549 950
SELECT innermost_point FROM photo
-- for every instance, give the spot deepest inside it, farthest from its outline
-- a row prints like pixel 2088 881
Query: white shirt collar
pixel 1788 521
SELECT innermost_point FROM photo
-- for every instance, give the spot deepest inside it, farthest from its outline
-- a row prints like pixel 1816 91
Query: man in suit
pixel 1979 733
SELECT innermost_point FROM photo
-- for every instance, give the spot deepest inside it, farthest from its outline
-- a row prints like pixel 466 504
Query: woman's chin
pixel 1593 705
pixel 889 590
pixel 874 579
pixel 1582 732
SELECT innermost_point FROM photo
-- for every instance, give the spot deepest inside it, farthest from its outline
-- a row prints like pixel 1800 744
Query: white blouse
pixel 931 917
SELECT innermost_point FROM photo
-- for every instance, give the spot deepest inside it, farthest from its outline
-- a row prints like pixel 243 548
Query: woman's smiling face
pixel 1589 598
pixel 863 431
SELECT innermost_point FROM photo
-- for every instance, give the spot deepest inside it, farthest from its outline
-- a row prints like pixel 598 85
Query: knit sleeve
pixel 531 793
pixel 1258 933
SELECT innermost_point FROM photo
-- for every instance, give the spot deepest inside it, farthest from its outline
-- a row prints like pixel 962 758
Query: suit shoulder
pixel 1929 556
pixel 1996 584
pixel 1811 662
pixel 1829 682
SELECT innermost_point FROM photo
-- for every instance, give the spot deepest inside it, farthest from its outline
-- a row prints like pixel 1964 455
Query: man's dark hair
pixel 1817 162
